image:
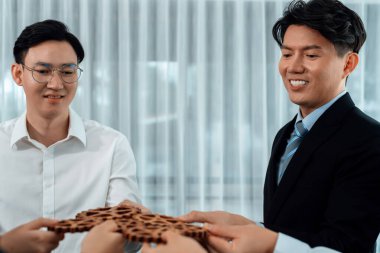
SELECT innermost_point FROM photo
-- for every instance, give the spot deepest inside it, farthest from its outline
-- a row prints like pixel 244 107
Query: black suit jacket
pixel 329 194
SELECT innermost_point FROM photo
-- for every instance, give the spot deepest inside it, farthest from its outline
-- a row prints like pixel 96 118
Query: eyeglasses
pixel 69 73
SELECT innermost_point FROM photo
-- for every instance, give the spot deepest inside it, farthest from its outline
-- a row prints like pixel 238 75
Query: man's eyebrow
pixel 48 65
pixel 303 48
pixel 43 64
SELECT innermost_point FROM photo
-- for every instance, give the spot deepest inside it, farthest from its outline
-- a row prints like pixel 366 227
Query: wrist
pixel 272 240
pixel 1 246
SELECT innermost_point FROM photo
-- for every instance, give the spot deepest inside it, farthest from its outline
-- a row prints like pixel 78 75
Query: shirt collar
pixel 76 129
pixel 310 119
pixel 19 132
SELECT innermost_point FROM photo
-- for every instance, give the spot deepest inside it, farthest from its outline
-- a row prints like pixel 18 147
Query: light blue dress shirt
pixel 310 120
pixel 287 244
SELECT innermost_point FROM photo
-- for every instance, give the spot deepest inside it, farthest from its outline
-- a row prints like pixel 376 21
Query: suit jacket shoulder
pixel 329 194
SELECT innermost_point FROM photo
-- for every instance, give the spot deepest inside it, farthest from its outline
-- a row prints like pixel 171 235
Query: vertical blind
pixel 193 84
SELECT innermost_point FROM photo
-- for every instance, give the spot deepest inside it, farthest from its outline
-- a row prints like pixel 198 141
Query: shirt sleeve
pixel 123 182
pixel 123 179
pixel 286 244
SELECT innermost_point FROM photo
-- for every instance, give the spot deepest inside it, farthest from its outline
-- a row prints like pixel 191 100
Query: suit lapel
pixel 279 144
pixel 322 130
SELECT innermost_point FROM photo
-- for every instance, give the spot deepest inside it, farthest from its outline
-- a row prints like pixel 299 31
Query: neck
pixel 305 110
pixel 47 130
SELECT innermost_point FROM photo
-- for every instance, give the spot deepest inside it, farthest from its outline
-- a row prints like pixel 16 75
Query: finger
pixel 210 249
pixel 117 238
pixel 195 216
pixel 146 248
pixel 142 208
pixel 169 236
pixel 61 236
pixel 39 223
pixel 145 210
pixel 48 236
pixel 108 225
pixel 227 231
pixel 50 246
pixel 220 245
pixel 129 203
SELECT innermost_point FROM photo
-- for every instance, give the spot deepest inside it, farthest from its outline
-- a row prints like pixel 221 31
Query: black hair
pixel 43 31
pixel 333 20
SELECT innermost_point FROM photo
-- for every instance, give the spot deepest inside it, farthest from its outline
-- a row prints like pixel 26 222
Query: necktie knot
pixel 300 129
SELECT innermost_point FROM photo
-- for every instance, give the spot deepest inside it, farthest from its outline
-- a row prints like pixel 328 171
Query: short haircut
pixel 43 31
pixel 337 23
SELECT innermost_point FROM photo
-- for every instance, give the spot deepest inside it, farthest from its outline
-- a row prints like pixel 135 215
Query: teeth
pixel 54 96
pixel 297 82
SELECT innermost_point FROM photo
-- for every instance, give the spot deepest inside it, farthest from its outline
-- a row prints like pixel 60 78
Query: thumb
pixel 39 223
pixel 226 231
pixel 218 244
pixel 221 237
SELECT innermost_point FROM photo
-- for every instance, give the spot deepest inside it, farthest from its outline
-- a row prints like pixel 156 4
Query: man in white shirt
pixel 55 164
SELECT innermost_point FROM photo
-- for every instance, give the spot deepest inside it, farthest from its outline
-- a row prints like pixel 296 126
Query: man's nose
pixel 296 65
pixel 55 81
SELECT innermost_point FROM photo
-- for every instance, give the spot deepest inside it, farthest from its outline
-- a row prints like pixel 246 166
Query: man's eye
pixel 67 72
pixel 286 55
pixel 312 55
pixel 43 71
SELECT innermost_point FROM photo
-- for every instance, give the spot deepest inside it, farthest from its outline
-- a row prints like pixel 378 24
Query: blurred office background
pixel 193 84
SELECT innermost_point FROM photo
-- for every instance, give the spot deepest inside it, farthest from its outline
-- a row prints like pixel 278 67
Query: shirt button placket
pixel 48 183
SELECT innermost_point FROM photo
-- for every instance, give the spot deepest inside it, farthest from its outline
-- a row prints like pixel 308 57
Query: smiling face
pixel 311 69
pixel 51 99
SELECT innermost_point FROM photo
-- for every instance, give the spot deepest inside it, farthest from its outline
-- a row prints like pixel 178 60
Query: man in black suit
pixel 323 180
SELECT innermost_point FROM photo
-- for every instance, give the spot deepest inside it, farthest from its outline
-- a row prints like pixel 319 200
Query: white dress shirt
pixel 93 167
pixel 287 244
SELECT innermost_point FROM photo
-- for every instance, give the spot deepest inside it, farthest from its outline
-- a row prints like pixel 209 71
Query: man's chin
pixel 297 100
pixel 53 113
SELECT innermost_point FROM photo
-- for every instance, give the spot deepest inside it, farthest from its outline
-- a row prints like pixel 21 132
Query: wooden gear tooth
pixel 74 225
pixel 134 225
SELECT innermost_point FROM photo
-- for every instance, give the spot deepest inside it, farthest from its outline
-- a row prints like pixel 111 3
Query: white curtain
pixel 193 84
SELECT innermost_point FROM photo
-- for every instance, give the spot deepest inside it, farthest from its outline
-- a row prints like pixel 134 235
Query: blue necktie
pixel 294 141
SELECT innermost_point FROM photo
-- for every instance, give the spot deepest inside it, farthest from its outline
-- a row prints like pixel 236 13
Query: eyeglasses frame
pixel 51 76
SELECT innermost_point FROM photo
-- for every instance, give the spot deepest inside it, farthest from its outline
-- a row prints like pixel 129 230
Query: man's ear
pixel 17 71
pixel 352 60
